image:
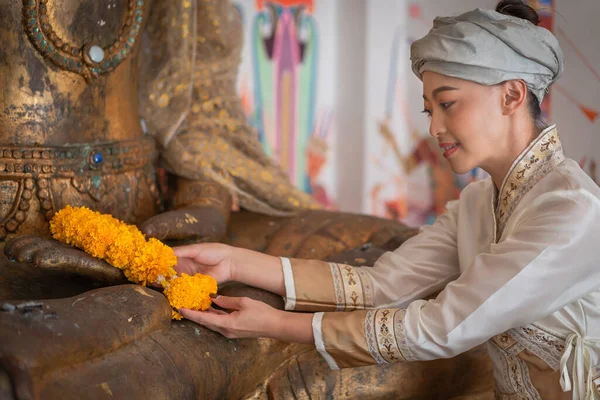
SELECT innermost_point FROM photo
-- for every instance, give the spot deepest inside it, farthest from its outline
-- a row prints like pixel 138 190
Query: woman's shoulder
pixel 567 189
pixel 570 176
pixel 566 181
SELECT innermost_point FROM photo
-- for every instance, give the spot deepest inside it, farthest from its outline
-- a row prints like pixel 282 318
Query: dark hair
pixel 517 8
pixel 535 111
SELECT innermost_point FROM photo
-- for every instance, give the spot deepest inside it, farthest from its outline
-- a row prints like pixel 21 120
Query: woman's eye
pixel 427 112
pixel 447 105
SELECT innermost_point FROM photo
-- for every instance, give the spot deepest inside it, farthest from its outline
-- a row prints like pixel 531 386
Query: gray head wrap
pixel 488 47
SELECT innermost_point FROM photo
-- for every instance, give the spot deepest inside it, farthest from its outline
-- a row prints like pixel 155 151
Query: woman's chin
pixel 460 168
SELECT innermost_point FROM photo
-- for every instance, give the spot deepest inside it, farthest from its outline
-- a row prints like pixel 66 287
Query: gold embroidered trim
pixel 511 374
pixel 371 337
pixel 545 345
pixel 519 378
pixel 338 287
pixel 384 333
pixel 596 378
pixel 400 335
pixel 534 163
pixel 507 343
pixel 352 287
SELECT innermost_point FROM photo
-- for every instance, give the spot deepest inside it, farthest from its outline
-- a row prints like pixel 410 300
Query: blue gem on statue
pixel 97 158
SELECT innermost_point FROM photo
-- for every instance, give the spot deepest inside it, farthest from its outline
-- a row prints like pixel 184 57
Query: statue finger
pixel 22 248
pixel 77 262
pixel 177 226
pixel 156 227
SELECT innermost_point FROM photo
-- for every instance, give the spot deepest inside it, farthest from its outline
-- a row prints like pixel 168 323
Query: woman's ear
pixel 514 95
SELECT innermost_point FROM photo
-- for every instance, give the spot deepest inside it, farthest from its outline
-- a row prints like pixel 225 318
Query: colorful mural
pixel 280 92
pixel 285 50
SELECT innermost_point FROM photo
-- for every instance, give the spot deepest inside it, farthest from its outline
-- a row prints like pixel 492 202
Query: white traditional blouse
pixel 517 268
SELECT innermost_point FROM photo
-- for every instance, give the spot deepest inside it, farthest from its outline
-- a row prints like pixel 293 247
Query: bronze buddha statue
pixel 85 119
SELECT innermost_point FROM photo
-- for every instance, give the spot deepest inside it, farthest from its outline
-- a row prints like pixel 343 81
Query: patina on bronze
pixel 70 133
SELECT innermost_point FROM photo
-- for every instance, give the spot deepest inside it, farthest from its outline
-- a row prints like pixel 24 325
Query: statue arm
pixel 202 193
pixel 201 210
pixel 204 133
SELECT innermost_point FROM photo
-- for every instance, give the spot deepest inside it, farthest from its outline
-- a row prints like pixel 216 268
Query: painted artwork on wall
pixel 281 101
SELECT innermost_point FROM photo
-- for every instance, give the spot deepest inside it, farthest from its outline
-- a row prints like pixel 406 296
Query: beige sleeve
pixel 321 286
pixel 364 337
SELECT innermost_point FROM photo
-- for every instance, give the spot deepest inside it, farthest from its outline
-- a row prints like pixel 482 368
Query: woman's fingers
pixel 203 253
pixel 231 303
pixel 205 318
pixel 215 311
pixel 187 265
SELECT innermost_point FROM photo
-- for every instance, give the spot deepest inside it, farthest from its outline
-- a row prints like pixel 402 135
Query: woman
pixel 514 258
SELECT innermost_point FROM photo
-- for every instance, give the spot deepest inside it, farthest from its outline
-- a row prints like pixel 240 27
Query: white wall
pixel 350 85
pixel 577 22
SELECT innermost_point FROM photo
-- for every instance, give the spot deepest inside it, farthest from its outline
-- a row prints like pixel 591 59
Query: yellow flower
pixel 151 261
pixel 192 292
pixel 126 238
pixel 125 247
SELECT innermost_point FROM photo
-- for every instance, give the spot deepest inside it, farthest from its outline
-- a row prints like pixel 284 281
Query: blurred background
pixel 328 87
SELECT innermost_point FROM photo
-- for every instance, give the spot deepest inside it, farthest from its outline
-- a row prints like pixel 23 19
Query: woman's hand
pixel 253 318
pixel 212 259
pixel 227 263
pixel 249 318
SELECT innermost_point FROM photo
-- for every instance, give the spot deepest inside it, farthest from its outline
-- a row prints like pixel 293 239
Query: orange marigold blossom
pixel 125 247
pixel 191 292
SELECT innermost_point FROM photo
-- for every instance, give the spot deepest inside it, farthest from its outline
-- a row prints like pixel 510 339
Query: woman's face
pixel 467 120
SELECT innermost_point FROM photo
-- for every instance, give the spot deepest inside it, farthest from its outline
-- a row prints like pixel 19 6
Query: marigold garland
pixel 125 247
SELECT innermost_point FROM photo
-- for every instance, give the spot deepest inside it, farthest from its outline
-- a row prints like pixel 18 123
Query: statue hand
pixel 53 255
pixel 212 259
pixel 206 223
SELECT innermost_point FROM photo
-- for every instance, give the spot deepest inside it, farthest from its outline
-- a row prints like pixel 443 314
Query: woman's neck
pixel 518 140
